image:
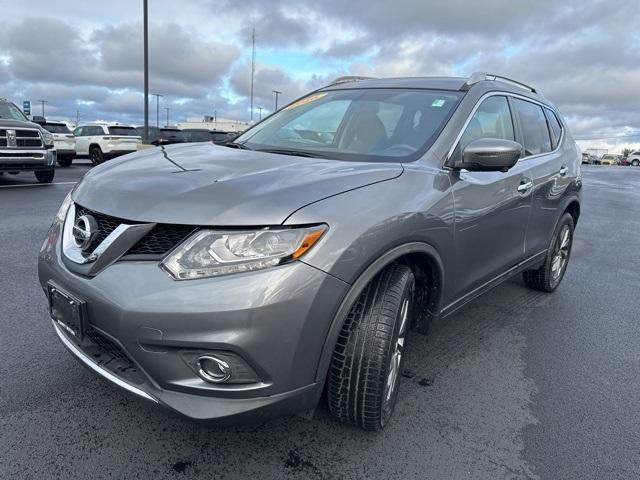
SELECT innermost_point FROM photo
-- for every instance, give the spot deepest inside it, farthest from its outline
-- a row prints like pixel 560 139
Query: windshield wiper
pixel 241 146
pixel 296 153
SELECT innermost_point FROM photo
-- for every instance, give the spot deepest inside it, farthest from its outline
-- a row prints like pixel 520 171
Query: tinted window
pixel 492 119
pixel 221 136
pixel 78 132
pixel 556 127
pixel 534 127
pixel 173 134
pixel 92 130
pixel 56 128
pixel 128 131
pixel 198 135
pixel 357 124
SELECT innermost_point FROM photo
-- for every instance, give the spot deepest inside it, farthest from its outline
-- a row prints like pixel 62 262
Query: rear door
pixel 82 142
pixel 492 208
pixel 542 141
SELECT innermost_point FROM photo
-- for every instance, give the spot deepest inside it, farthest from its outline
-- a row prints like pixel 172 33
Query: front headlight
pixel 47 138
pixel 64 208
pixel 210 253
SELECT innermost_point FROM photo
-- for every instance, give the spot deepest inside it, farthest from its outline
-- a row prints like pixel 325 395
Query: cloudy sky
pixel 87 56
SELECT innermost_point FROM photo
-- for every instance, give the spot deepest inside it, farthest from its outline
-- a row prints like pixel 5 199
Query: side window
pixel 534 127
pixel 492 119
pixel 555 125
pixel 78 131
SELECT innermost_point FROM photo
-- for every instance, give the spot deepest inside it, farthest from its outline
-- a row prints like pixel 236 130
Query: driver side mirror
pixel 490 155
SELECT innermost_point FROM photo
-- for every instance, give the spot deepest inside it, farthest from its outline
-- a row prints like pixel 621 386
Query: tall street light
pixel 146 70
pixel 157 95
pixel 277 93
pixel 260 110
pixel 43 102
pixel 167 109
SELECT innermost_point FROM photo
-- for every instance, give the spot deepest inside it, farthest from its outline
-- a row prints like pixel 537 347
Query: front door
pixel 492 209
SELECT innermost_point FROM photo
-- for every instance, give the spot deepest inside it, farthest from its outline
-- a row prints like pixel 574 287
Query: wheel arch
pixel 427 266
pixel 573 208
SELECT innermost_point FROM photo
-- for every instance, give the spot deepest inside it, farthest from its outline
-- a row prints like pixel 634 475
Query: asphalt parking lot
pixel 519 384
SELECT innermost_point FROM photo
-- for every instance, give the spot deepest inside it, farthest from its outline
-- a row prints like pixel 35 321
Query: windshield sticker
pixel 438 102
pixel 305 100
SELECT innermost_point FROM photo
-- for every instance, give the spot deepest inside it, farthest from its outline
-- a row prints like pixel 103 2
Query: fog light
pixel 213 369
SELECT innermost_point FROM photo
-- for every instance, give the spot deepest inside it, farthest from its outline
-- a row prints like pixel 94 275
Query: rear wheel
pixel 550 274
pixel 635 163
pixel 45 176
pixel 367 361
pixel 65 161
pixel 96 155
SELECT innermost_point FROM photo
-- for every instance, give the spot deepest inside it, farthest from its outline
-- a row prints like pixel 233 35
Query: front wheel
pixel 550 274
pixel 45 176
pixel 366 366
pixel 635 163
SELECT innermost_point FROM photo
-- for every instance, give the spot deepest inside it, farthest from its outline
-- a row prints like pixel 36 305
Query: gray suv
pixel 240 282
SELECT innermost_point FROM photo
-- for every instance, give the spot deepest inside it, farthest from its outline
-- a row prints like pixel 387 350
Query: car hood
pixel 207 184
pixel 8 123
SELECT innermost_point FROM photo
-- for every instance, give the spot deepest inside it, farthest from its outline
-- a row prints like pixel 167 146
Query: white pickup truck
pixel 102 141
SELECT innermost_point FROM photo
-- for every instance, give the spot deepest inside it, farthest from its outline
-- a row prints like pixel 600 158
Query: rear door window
pixel 492 119
pixel 56 128
pixel 535 131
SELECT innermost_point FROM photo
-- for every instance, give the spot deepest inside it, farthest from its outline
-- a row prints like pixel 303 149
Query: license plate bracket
pixel 67 311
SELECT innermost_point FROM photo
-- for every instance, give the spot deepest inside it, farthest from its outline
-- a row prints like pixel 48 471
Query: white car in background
pixel 63 140
pixel 101 141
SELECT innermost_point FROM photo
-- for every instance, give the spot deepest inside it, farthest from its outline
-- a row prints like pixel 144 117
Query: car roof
pixel 478 81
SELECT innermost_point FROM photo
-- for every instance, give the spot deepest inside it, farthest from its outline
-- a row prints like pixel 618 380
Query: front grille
pixel 109 355
pixel 158 242
pixel 25 138
pixel 39 156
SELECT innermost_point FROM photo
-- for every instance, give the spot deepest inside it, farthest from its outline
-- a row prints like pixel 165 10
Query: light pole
pixel 77 117
pixel 277 93
pixel 146 70
pixel 260 111
pixel 157 95
pixel 43 102
pixel 167 109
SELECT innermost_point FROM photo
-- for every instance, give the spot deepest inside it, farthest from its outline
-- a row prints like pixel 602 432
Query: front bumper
pixel 30 160
pixel 276 320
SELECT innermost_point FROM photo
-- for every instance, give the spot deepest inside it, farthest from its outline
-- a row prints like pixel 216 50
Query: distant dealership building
pixel 215 123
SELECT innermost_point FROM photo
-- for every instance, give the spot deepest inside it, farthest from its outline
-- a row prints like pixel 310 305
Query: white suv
pixel 63 140
pixel 634 158
pixel 102 141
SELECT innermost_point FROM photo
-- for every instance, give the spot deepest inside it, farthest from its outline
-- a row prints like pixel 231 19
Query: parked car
pixel 633 158
pixel 63 140
pixel 206 135
pixel 586 158
pixel 25 146
pixel 163 135
pixel 610 159
pixel 102 141
pixel 237 283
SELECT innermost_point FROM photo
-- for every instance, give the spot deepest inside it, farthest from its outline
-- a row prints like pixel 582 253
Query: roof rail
pixel 347 79
pixel 481 76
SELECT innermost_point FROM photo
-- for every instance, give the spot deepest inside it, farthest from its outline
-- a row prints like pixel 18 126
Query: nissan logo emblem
pixel 84 231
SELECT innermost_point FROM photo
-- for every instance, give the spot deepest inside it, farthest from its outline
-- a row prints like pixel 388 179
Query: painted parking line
pixel 37 184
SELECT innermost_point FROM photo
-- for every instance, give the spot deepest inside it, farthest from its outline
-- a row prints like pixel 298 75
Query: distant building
pixel 215 123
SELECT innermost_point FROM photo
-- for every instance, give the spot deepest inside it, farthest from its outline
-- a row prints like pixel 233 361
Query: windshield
pixel 10 111
pixel 56 128
pixel 357 124
pixel 126 131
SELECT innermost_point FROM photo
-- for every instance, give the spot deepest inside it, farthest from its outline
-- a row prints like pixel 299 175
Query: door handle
pixel 563 171
pixel 524 186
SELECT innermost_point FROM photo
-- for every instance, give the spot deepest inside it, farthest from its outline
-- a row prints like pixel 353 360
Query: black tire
pixel 45 176
pixel 65 161
pixel 96 155
pixel 550 274
pixel 362 389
